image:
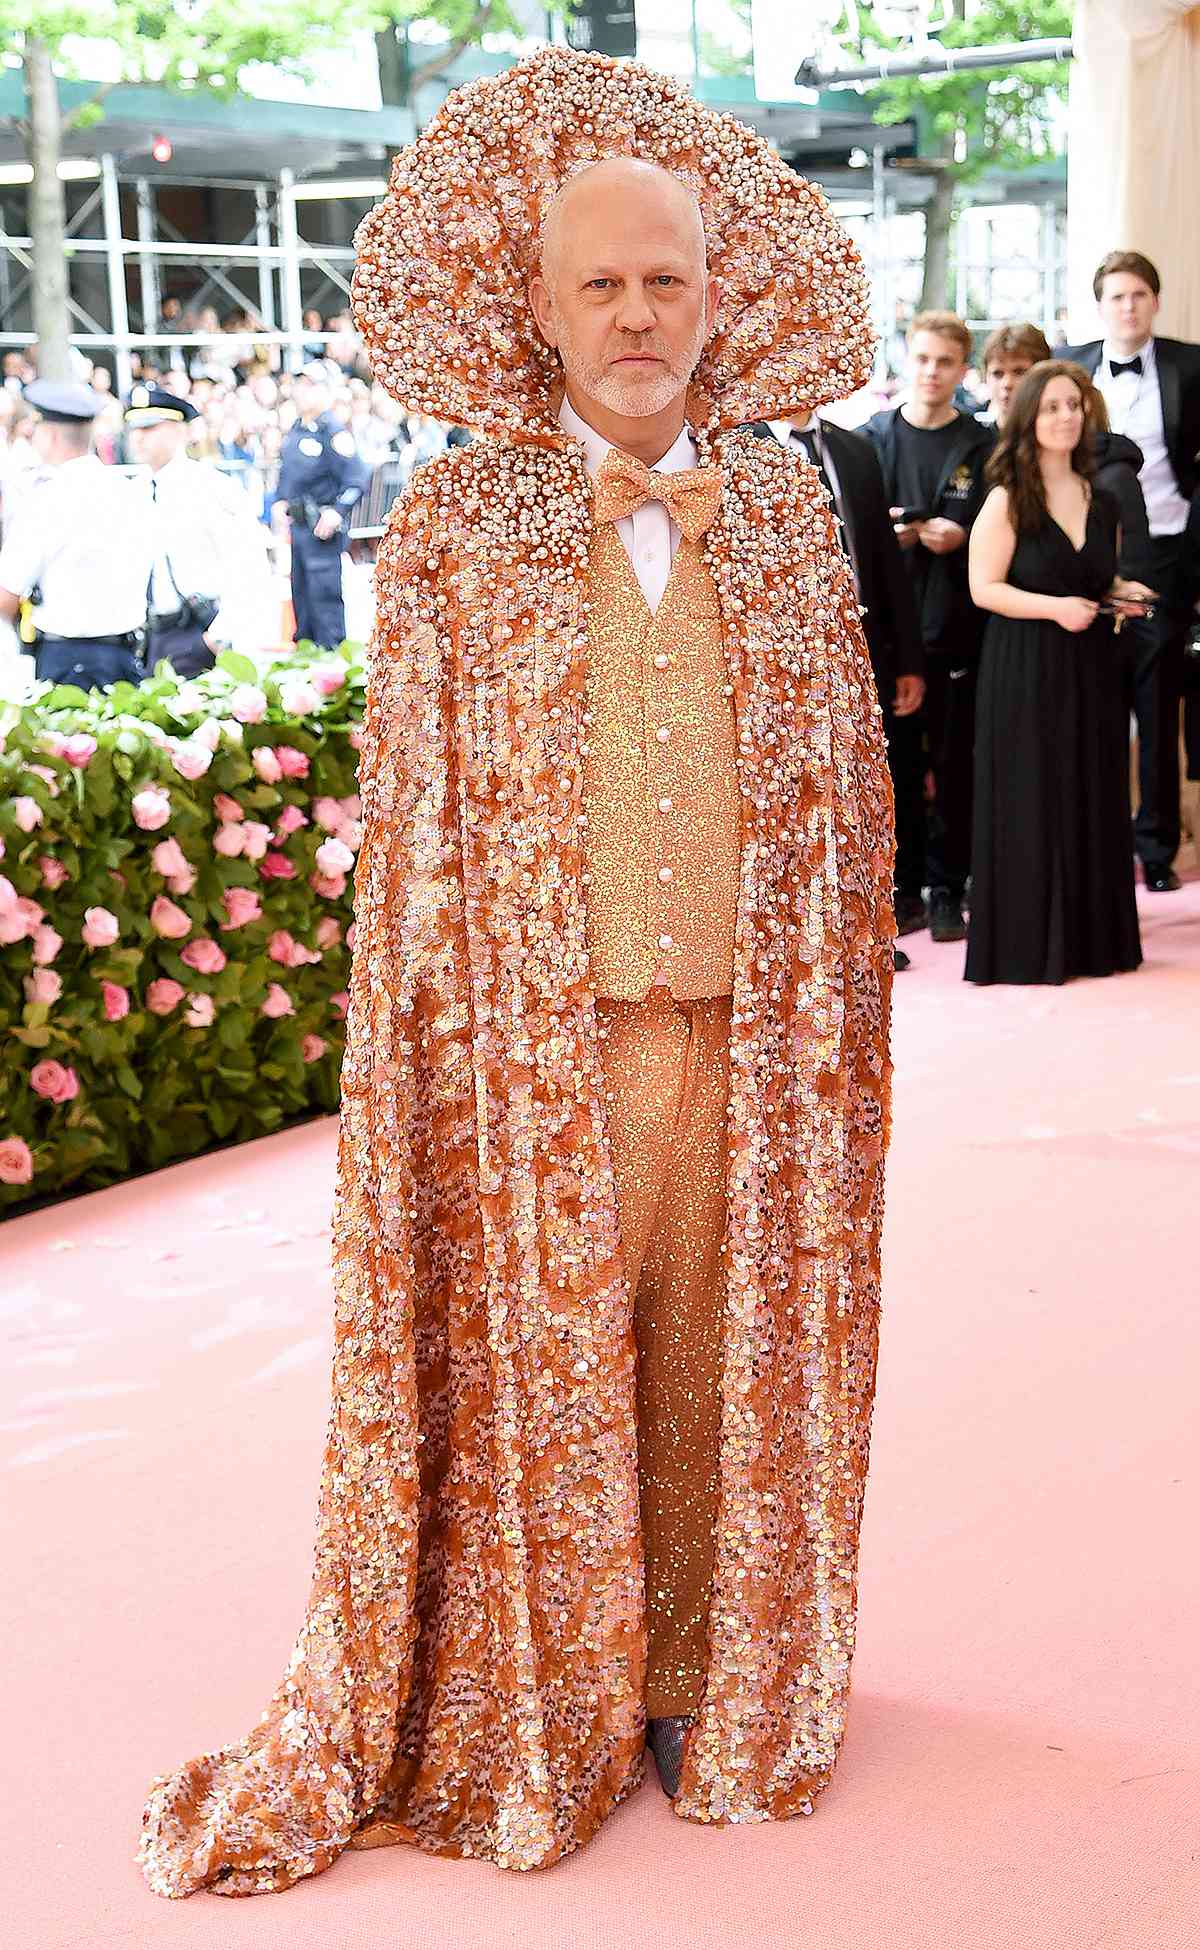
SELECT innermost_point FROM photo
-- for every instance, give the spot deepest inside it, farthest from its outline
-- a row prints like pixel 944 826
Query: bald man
pixel 614 1099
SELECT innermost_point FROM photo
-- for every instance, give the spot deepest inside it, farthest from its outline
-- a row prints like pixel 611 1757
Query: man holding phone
pixel 933 458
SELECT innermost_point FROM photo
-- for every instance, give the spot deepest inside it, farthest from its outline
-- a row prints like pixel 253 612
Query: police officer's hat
pixel 152 406
pixel 69 405
pixel 320 371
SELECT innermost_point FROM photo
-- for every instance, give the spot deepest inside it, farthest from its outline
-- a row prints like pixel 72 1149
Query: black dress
pixel 1052 893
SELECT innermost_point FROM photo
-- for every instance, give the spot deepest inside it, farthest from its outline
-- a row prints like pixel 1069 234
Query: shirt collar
pixel 1144 352
pixel 679 457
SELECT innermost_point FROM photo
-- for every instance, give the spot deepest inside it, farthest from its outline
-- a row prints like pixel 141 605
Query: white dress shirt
pixel 650 536
pixel 81 536
pixel 1135 409
pixel 212 544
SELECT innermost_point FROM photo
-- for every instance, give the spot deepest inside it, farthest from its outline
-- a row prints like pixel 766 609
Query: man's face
pixel 155 445
pixel 1003 377
pixel 623 293
pixel 1127 308
pixel 310 396
pixel 937 367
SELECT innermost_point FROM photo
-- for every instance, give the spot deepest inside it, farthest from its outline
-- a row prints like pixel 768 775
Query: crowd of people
pixel 1028 568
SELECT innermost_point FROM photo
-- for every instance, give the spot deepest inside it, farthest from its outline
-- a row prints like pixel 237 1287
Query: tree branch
pixel 470 35
pixel 71 121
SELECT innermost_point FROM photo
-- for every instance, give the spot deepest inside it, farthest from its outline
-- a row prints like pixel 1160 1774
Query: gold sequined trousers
pixel 666 1072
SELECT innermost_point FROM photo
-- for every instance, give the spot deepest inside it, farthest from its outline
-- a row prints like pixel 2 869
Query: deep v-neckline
pixel 1087 518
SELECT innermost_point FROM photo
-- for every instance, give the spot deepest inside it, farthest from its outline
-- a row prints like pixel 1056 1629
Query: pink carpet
pixel 1020 1766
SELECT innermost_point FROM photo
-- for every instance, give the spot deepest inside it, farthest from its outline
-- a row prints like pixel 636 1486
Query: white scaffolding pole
pixel 115 249
pixel 289 237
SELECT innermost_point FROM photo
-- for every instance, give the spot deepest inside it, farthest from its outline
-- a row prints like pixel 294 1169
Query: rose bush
pixel 175 914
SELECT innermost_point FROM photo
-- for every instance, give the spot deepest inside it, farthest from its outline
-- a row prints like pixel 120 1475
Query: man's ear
pixel 542 307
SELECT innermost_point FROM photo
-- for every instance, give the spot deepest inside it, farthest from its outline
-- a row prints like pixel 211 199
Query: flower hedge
pixel 175 914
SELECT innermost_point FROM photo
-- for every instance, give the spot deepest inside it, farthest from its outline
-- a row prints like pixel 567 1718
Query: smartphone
pixel 911 515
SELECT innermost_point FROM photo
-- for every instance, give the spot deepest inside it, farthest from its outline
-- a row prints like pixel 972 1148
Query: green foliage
pixel 1003 116
pixel 148 1087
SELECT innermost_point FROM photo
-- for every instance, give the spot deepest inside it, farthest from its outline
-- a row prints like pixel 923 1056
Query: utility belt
pixel 306 514
pixel 133 640
pixel 194 613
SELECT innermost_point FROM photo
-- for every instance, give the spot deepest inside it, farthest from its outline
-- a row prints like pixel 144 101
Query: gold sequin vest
pixel 663 833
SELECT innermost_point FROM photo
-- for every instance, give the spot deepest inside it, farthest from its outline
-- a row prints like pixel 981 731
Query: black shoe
pixel 911 914
pixel 665 1741
pixel 946 918
pixel 903 961
pixel 1161 880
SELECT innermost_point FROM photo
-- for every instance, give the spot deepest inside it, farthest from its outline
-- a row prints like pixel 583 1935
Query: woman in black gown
pixel 1052 888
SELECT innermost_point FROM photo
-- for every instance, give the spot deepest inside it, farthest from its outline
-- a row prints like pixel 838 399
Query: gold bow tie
pixel 624 484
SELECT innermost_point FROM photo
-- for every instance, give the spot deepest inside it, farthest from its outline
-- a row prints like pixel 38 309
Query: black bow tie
pixel 1116 366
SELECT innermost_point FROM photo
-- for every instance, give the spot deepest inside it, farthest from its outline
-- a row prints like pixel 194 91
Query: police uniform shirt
pixel 211 543
pixel 81 537
pixel 319 462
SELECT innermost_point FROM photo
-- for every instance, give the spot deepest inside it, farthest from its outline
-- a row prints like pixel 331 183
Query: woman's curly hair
pixel 1014 461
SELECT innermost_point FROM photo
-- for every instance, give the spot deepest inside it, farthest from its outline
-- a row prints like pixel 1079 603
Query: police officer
pixel 211 584
pixel 321 478
pixel 80 546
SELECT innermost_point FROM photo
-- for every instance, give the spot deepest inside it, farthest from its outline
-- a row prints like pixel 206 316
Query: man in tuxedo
pixel 1151 387
pixel 850 471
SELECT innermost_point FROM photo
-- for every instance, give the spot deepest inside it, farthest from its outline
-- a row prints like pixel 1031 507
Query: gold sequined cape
pixel 468 1676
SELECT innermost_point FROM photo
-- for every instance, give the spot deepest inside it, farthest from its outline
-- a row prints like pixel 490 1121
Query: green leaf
pixel 128 1082
pixel 238 666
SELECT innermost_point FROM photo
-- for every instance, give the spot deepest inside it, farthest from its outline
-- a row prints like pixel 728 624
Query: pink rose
pixel 334 856
pixel 330 886
pixel 100 927
pixel 48 776
pixel 328 813
pixel 207 734
pixel 298 699
pixel 290 820
pixel 329 931
pixel 182 883
pixel 79 749
pixel 163 995
pixel 265 763
pixel 8 895
pixel 168 920
pixel 340 1002
pixel 242 905
pixel 277 866
pixel 278 1002
pixel 355 737
pixel 169 858
pixel 248 704
pixel 327 678
pixel 43 986
pixel 351 805
pixel 227 808
pixel 46 942
pixel 200 1011
pixel 292 764
pixel 191 760
pixel 27 813
pixel 53 871
pixel 151 808
pixel 258 839
pixel 12 926
pixel 313 1047
pixel 350 935
pixel 116 1001
pixel 204 956
pixel 16 1162
pixel 52 1080
pixel 280 946
pixel 229 840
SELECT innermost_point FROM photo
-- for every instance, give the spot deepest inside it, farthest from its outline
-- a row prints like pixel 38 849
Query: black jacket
pixel 1118 464
pixel 950 623
pixel 1178 365
pixel 884 591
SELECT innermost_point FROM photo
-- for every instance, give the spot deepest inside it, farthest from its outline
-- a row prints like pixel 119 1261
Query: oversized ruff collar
pixel 445 258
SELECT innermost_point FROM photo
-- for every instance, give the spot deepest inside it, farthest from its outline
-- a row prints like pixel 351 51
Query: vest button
pixel 663 733
pixel 661 660
pixel 666 941
pixel 665 874
pixel 665 803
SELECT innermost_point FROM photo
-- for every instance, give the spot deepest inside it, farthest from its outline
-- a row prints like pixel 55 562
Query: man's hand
pixel 328 523
pixel 910 696
pixel 941 537
pixel 908 533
